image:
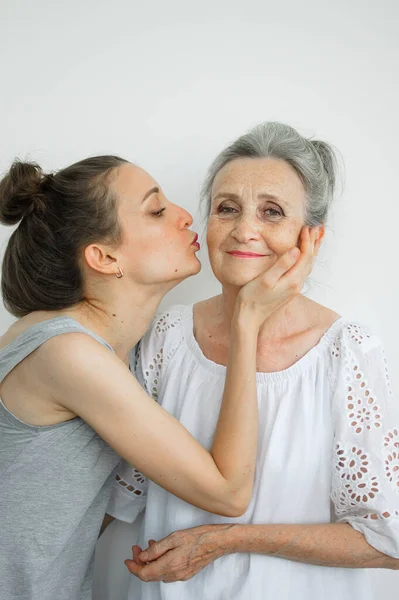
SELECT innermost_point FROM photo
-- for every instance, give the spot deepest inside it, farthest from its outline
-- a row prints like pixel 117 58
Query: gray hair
pixel 314 161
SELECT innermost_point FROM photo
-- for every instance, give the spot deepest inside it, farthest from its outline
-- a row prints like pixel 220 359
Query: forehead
pixel 260 175
pixel 132 182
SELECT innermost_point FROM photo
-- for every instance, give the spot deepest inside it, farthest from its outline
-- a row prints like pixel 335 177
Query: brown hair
pixel 60 215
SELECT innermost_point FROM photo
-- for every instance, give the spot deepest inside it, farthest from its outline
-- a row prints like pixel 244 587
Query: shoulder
pixel 356 344
pixel 152 354
pixel 163 336
pixel 76 366
pixel 73 350
pixel 359 361
pixel 169 320
pixel 356 338
pixel 23 324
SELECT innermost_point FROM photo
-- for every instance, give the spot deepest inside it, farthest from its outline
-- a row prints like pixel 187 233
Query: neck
pixel 121 317
pixel 281 323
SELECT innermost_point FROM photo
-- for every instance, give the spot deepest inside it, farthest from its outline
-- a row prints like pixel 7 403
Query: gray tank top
pixel 54 489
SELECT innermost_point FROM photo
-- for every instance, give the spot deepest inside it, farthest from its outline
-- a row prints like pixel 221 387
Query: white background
pixel 168 84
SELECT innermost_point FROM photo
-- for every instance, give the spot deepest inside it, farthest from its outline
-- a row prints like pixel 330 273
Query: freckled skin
pixel 258 205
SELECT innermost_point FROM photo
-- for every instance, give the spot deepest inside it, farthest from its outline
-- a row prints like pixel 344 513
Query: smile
pixel 239 254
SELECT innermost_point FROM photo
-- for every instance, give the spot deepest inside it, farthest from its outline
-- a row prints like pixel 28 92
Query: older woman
pixel 326 497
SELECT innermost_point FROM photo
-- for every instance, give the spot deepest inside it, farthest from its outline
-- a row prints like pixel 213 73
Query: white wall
pixel 167 84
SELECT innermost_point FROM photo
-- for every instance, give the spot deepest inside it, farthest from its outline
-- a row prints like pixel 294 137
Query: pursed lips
pixel 195 242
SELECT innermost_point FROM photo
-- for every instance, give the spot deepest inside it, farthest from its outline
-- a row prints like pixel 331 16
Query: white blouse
pixel 328 452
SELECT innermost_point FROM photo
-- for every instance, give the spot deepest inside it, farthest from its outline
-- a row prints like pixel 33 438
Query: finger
pixel 133 567
pixel 151 542
pixel 136 551
pixel 298 274
pixel 157 549
pixel 145 573
pixel 317 247
pixel 303 266
pixel 283 265
pixel 306 241
pixel 308 250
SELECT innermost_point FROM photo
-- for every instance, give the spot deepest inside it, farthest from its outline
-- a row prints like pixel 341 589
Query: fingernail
pixel 144 556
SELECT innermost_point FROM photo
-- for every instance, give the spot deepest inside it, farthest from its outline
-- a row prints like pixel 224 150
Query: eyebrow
pixel 154 190
pixel 230 196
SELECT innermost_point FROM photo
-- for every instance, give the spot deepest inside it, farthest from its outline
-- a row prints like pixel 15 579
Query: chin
pixel 196 269
pixel 232 277
pixel 187 270
pixel 237 282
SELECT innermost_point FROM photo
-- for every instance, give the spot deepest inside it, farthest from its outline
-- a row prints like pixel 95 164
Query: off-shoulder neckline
pixel 293 371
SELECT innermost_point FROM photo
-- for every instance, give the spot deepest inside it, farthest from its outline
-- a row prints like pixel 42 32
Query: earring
pixel 120 273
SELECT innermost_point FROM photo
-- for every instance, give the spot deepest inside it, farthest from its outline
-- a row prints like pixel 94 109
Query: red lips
pixel 240 254
pixel 195 243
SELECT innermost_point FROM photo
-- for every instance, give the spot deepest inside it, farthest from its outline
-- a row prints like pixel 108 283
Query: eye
pixel 158 213
pixel 226 210
pixel 273 213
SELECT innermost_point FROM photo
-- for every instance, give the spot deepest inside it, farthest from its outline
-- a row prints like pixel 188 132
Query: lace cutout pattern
pixel 355 485
pixel 152 374
pixel 362 408
pixel 387 378
pixel 357 333
pixel 365 477
pixel 164 323
pixel 137 486
pixel 336 348
pixel 152 369
pixel 391 457
pixel 380 517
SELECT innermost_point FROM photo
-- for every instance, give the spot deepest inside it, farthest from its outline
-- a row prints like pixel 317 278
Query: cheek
pixel 216 234
pixel 282 238
pixel 147 251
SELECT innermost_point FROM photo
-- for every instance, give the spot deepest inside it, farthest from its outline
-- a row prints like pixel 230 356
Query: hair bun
pixel 329 161
pixel 20 191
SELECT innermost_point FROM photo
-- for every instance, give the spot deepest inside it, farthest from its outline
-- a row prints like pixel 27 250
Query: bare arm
pixel 330 545
pixel 106 395
pixel 183 554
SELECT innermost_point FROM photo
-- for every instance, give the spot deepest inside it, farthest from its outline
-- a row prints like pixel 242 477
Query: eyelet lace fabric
pixel 137 485
pixel 365 477
pixel 328 434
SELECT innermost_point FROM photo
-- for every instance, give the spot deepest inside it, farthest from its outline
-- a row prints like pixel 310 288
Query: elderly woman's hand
pixel 179 556
pixel 283 281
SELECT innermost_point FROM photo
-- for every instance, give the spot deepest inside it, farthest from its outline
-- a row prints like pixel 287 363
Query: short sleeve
pixel 365 480
pixel 148 361
pixel 128 493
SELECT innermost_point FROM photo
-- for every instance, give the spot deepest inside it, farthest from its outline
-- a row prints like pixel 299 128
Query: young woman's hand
pixel 282 282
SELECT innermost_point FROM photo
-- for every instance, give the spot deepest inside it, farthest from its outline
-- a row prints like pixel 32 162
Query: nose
pixel 185 220
pixel 245 231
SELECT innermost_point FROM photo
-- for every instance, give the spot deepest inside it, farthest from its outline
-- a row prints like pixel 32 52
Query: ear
pixel 101 258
